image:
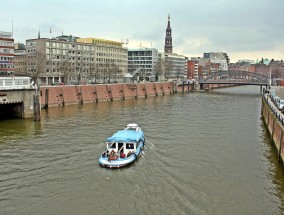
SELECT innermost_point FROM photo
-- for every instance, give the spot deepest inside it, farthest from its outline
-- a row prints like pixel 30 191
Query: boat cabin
pixel 121 149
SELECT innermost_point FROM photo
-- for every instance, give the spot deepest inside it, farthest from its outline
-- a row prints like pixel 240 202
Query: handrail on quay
pixel 16 83
pixel 274 110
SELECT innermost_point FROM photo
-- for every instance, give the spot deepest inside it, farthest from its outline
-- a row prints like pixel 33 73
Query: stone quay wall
pixel 274 123
pixel 52 96
pixel 60 95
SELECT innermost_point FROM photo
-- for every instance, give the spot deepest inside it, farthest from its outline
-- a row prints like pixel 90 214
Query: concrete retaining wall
pixel 17 103
pixel 274 126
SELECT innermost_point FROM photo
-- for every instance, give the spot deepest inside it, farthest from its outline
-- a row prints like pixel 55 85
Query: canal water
pixel 206 153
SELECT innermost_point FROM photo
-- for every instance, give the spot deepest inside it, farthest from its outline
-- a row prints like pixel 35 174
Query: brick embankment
pixel 274 124
pixel 64 95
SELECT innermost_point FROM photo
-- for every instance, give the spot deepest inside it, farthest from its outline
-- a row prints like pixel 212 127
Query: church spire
pixel 168 38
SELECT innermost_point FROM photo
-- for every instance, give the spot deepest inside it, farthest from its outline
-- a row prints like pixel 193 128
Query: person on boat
pixel 105 154
pixel 129 154
pixel 113 155
pixel 122 155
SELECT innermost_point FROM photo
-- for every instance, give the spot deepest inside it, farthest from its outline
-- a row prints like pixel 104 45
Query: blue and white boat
pixel 123 147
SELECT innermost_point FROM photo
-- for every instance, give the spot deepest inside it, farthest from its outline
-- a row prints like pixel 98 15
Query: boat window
pixel 131 128
pixel 129 146
pixel 112 145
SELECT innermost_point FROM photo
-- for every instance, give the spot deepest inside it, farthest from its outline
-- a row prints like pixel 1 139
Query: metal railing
pixel 15 83
pixel 273 109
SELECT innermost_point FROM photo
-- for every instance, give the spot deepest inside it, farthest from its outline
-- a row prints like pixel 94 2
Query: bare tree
pixel 93 72
pixel 115 72
pixel 168 69
pixel 107 71
pixel 66 69
pixel 160 69
pixel 34 65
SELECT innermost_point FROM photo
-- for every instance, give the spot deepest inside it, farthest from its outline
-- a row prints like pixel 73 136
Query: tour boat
pixel 123 147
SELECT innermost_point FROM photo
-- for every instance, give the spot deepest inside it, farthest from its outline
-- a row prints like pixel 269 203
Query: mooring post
pixel 272 133
pixel 123 97
pixel 46 98
pixel 280 146
pixel 182 87
pixel 79 93
pixel 36 108
pixel 136 97
pixel 145 90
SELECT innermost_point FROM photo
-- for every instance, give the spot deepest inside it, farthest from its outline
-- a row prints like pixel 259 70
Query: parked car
pixel 280 104
pixel 272 92
pixel 276 100
pixel 73 83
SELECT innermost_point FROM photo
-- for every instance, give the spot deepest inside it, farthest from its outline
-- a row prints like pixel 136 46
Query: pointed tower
pixel 168 38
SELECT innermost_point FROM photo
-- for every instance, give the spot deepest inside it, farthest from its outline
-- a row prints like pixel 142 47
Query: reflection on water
pixel 206 153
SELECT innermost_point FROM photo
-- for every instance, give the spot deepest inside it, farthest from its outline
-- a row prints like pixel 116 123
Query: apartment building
pixel 111 57
pixel 175 66
pixel 218 57
pixel 20 59
pixel 144 58
pixel 71 59
pixel 6 53
pixel 54 60
pixel 192 69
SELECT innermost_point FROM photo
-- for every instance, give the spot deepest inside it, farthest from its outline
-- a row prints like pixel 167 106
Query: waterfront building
pixel 52 60
pixel 175 66
pixel 111 58
pixel 192 69
pixel 218 57
pixel 20 59
pixel 242 66
pixel 71 59
pixel 146 59
pixel 168 39
pixel 200 68
pixel 245 61
pixel 6 53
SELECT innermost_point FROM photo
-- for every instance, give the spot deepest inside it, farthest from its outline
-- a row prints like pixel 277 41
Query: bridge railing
pixel 13 83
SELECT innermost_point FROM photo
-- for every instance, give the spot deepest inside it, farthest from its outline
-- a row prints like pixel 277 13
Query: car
pixel 73 83
pixel 280 104
pixel 276 100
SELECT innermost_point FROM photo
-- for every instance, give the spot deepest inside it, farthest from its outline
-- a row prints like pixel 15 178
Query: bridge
pixel 235 78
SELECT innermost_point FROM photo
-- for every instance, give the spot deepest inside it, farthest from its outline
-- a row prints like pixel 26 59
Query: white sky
pixel 244 29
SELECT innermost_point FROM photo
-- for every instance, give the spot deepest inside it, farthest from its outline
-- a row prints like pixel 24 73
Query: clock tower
pixel 168 38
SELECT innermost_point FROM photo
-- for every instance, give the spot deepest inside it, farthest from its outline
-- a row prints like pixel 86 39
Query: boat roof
pixel 132 125
pixel 126 136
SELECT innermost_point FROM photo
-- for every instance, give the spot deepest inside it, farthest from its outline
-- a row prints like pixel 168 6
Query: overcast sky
pixel 244 29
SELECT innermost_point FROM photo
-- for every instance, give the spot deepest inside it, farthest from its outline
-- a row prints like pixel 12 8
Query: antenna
pixel 12 28
pixel 124 41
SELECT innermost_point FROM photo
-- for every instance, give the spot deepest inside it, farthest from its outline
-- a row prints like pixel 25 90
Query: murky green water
pixel 207 153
